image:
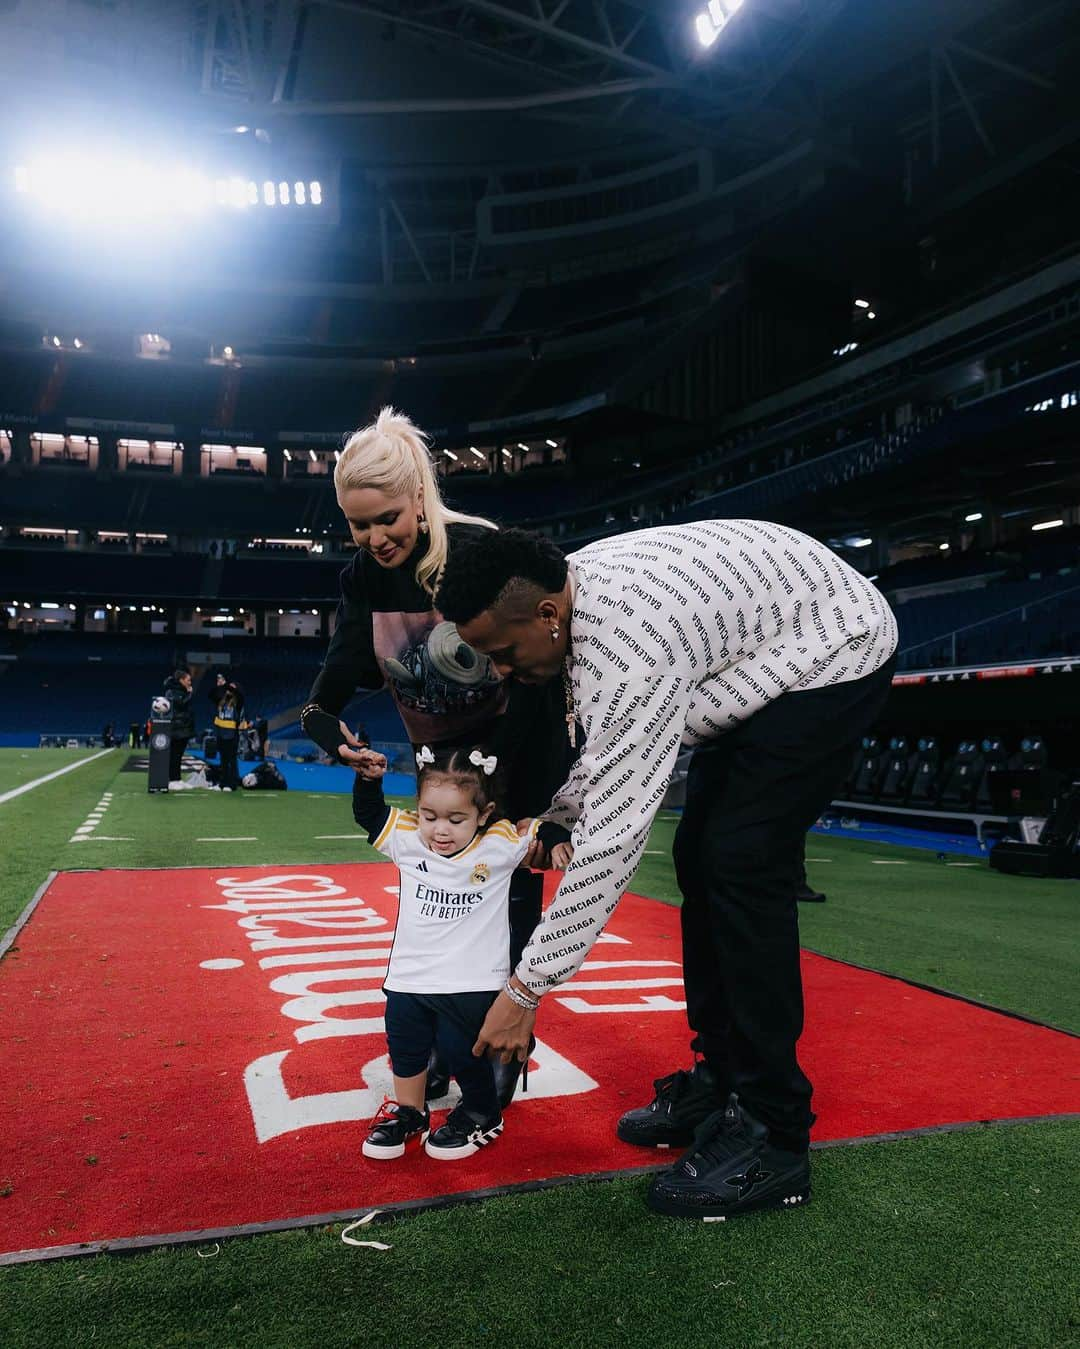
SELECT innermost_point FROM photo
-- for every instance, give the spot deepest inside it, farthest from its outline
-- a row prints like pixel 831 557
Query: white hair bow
pixel 424 755
pixel 488 765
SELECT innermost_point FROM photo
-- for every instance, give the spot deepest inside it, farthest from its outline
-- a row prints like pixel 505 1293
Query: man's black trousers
pixel 750 798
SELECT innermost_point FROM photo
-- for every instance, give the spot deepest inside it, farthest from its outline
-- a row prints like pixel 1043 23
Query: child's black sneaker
pixel 462 1135
pixel 731 1169
pixel 392 1130
pixel 683 1099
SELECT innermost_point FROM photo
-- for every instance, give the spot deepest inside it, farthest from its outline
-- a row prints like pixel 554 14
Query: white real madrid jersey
pixel 453 926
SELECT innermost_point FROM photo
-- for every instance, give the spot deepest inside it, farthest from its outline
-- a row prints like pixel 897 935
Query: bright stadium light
pixel 1047 524
pixel 861 543
pixel 975 515
pixel 713 19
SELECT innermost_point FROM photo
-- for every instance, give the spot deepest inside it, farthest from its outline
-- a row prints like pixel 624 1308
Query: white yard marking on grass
pixel 37 782
pixel 240 838
pixel 102 838
pixel 886 862
pixel 963 864
pixel 341 835
pixel 86 829
pixel 819 859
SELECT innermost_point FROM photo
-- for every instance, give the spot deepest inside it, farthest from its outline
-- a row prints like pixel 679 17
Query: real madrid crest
pixel 480 874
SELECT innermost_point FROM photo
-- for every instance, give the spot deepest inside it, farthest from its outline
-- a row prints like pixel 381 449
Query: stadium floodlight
pixel 507 454
pixel 862 304
pixel 288 455
pixel 943 547
pixel 713 19
pixel 861 543
pixel 451 455
pixel 975 515
pixel 1047 524
pixel 554 444
pixel 473 450
pixel 870 314
pixel 523 446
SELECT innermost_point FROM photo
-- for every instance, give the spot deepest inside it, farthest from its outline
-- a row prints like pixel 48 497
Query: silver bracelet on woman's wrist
pixel 523 1000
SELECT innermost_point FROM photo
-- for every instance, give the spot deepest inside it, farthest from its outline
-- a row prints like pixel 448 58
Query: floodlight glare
pixel 975 515
pixel 706 30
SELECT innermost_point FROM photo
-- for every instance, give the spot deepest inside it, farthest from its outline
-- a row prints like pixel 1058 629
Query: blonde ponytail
pixel 391 456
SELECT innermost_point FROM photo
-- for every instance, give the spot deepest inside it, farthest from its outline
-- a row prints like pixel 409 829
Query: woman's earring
pixel 555 633
pixel 422 525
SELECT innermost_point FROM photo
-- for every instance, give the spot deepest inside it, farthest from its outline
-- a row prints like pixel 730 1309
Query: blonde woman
pixel 389 635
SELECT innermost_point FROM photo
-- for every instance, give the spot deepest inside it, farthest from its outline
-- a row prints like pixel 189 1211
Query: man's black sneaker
pixel 682 1101
pixel 731 1169
pixel 393 1128
pixel 462 1135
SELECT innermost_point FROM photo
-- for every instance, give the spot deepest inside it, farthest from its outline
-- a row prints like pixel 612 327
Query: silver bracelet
pixel 523 1000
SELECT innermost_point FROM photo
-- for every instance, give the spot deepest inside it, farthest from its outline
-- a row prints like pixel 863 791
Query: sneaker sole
pixel 442 1154
pixel 674 1140
pixel 672 1208
pixel 390 1151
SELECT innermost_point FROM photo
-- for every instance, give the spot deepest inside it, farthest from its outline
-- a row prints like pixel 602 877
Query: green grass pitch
pixel 961 1239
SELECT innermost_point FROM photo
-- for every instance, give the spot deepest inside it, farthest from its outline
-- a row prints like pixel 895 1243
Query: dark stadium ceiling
pixel 487 146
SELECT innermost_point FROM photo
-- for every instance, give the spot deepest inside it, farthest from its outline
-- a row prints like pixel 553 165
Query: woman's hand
pixel 351 749
pixel 372 765
pixel 561 856
pixel 506 1031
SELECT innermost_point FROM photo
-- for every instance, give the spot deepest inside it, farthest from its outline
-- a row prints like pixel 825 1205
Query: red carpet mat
pixel 193 1049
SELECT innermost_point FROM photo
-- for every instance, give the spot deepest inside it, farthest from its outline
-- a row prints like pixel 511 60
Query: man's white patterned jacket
pixel 677 634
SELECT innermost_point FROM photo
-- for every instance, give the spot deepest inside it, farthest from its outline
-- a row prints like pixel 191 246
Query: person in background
pixel 178 689
pixel 228 700
pixel 134 735
pixel 108 736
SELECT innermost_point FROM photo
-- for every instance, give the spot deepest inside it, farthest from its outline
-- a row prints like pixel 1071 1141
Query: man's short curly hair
pixel 478 572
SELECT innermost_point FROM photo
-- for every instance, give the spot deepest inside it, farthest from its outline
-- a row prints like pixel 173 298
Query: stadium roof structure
pixel 521 171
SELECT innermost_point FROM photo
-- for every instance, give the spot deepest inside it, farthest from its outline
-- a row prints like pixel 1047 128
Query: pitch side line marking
pixel 240 838
pixel 69 768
